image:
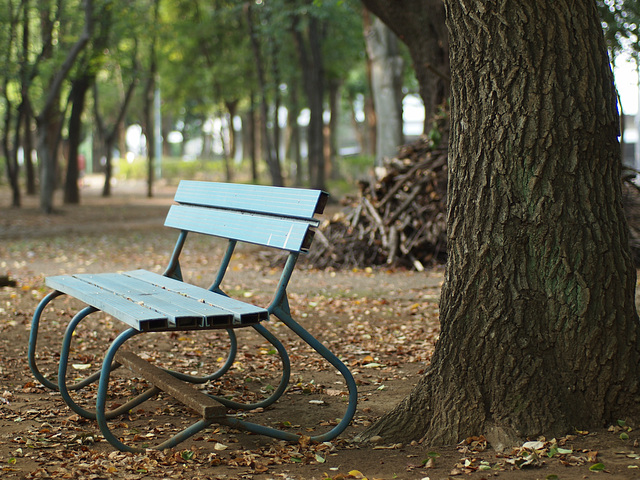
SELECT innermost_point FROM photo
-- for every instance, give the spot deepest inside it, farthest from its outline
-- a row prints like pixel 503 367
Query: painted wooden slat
pixel 244 313
pixel 274 232
pixel 135 315
pixel 113 282
pixel 185 311
pixel 182 391
pixel 279 201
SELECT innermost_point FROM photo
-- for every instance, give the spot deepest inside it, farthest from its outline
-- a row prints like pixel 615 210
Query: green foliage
pixel 621 24
pixel 173 169
pixel 204 59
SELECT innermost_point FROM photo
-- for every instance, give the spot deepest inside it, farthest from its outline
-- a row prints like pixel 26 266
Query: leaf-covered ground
pixel 383 324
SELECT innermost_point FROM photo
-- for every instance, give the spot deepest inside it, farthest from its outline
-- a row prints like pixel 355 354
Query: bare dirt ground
pixel 382 323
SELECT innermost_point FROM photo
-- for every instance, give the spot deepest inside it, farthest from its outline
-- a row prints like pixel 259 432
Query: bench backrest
pixel 277 217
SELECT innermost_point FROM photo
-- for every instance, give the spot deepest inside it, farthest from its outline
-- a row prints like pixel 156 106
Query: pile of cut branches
pixel 398 219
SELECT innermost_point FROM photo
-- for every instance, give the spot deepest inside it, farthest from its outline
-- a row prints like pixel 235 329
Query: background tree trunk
pixel 294 137
pixel 48 121
pixel 539 327
pixel 148 124
pixel 109 138
pixel 78 94
pixel 11 153
pixel 420 24
pixel 28 149
pixel 311 62
pixel 386 84
pixel 272 159
pixel 331 159
pixel 232 110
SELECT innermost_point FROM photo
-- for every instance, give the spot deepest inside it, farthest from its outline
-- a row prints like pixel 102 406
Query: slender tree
pixel 272 159
pixel 25 109
pixel 308 34
pixel 149 93
pixel 48 119
pixel 108 134
pixel 540 334
pixel 387 72
pixel 87 69
pixel 79 88
pixel 10 149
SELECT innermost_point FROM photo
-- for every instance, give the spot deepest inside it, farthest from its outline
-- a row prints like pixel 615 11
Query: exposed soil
pixel 382 323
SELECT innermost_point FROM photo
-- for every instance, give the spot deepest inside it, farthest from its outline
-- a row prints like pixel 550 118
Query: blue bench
pixel 147 302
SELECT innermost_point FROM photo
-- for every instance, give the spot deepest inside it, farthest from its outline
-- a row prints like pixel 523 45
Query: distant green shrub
pixel 172 169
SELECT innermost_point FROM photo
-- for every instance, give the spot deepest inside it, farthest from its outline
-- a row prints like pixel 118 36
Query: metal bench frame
pixel 147 302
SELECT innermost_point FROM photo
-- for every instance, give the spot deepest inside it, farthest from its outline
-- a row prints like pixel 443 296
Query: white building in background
pixel 628 85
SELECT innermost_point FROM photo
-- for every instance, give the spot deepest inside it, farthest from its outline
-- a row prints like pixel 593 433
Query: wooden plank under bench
pixel 204 405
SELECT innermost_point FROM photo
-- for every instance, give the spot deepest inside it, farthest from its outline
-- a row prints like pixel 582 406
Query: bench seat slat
pixel 181 310
pixel 148 301
pixel 243 312
pixel 280 201
pixel 274 232
pixel 135 315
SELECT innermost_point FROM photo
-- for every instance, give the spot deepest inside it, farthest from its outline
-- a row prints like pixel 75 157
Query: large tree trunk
pixel 420 24
pixel 386 84
pixel 539 327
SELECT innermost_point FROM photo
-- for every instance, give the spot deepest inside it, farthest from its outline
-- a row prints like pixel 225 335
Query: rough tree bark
pixel 539 327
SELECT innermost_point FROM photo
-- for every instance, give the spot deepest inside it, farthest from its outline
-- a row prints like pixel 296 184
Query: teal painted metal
pixel 135 315
pixel 147 302
pixel 286 234
pixel 278 201
pixel 243 313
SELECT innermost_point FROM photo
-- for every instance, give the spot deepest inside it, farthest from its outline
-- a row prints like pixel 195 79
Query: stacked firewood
pixel 398 218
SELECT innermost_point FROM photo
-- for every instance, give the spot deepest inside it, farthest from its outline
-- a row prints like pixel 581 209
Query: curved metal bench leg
pixel 101 414
pixel 62 375
pixel 284 380
pixel 33 340
pixel 284 316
